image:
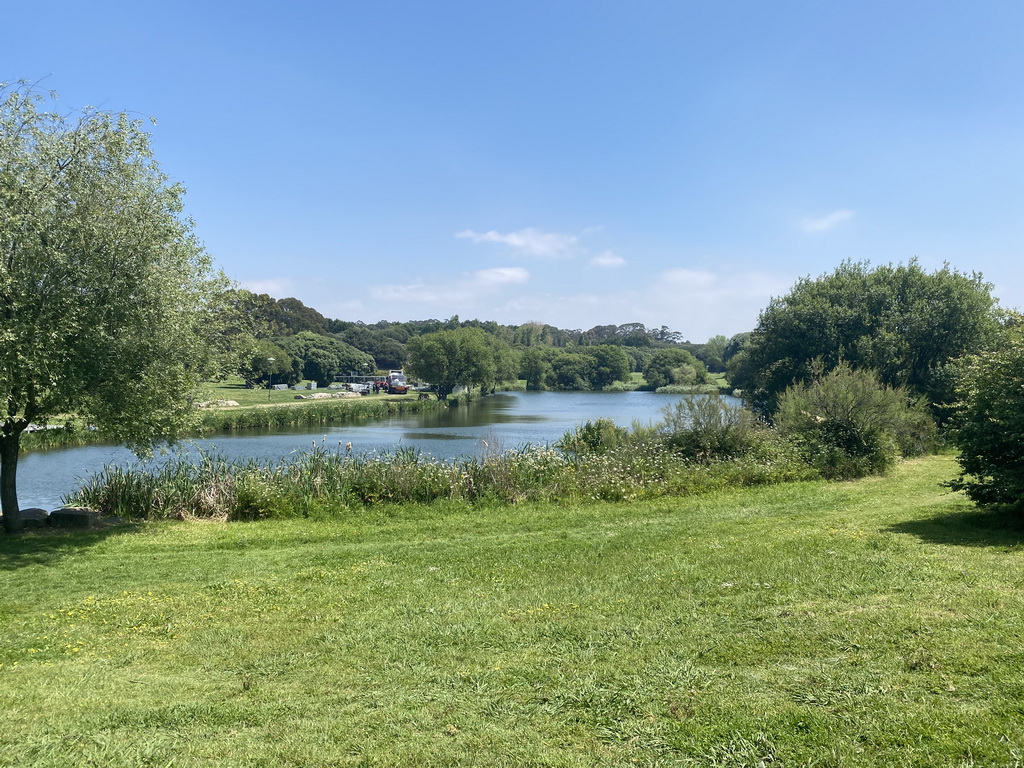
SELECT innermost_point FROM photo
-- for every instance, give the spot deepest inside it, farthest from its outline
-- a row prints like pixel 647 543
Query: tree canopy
pixel 268 364
pixel 460 357
pixel 674 366
pixel 322 358
pixel 106 297
pixel 989 422
pixel 901 321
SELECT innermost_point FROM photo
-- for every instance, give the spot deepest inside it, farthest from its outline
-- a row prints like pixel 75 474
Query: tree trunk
pixel 8 481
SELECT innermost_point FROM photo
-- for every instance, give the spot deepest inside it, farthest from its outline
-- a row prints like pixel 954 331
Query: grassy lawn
pixel 718 379
pixel 869 623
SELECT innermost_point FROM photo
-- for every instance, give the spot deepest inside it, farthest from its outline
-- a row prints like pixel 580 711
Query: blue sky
pixel 570 162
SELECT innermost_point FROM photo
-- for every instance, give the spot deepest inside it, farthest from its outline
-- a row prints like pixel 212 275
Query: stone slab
pixel 34 517
pixel 73 517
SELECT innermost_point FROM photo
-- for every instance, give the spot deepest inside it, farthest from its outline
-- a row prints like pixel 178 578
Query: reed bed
pixel 311 414
pixel 70 434
pixel 325 481
pixel 700 446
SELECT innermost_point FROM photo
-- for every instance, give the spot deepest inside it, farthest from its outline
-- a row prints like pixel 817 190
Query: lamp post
pixel 270 387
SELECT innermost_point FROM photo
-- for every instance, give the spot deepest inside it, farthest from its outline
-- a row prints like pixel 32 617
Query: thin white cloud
pixel 457 290
pixel 278 287
pixel 343 309
pixel 689 280
pixel 826 223
pixel 607 259
pixel 529 241
pixel 501 276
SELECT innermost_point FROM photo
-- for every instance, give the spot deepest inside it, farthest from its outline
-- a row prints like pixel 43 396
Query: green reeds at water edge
pixel 311 414
pixel 324 482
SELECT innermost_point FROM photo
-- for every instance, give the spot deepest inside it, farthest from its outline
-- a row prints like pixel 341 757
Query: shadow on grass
pixel 49 546
pixel 969 526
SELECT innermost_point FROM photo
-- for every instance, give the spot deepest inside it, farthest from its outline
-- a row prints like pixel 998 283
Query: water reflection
pixel 435 436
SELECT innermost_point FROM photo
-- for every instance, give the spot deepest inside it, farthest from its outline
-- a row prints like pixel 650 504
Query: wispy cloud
pixel 463 288
pixel 826 223
pixel 607 259
pixel 529 241
pixel 278 287
pixel 501 276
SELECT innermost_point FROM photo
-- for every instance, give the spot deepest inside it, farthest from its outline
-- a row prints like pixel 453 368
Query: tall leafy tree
pixel 386 351
pixel 268 364
pixel 105 294
pixel 901 321
pixel 297 317
pixel 322 358
pixel 674 366
pixel 459 357
pixel 506 363
pixel 989 423
pixel 610 363
pixel 712 353
pixel 535 366
pixel 572 370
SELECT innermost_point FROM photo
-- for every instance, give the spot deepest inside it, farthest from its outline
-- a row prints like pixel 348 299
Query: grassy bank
pixel 286 413
pixel 866 623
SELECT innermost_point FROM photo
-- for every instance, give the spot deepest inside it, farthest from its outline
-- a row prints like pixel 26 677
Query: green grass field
pixel 869 623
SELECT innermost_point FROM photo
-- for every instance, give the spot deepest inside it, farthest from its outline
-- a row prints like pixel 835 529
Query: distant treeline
pixel 297 342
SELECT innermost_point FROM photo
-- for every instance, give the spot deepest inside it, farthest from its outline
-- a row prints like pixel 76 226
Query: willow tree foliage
pixel 461 357
pixel 105 293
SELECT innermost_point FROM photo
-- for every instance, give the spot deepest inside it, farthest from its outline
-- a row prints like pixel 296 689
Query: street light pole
pixel 270 387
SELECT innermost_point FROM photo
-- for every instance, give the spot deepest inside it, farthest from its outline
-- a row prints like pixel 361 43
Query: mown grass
pixel 867 623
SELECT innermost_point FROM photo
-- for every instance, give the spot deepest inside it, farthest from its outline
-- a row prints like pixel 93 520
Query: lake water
pixel 498 422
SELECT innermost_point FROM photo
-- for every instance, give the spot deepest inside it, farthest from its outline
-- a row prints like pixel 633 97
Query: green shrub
pixel 848 424
pixel 707 427
pixel 621 386
pixel 258 497
pixel 989 424
pixel 593 437
pixel 689 389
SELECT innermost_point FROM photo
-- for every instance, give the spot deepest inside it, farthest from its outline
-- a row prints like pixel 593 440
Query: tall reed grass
pixel 328 481
pixel 70 433
pixel 311 414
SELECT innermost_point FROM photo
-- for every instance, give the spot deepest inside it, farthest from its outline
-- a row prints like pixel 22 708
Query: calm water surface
pixel 499 422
